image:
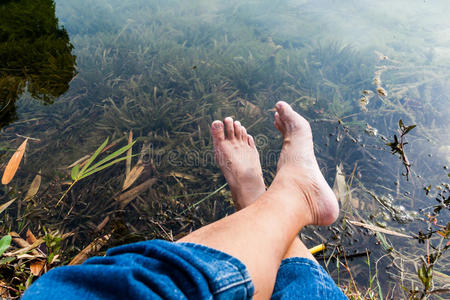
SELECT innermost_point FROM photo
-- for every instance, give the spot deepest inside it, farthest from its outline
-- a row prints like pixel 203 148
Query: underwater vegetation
pixel 159 76
pixel 35 55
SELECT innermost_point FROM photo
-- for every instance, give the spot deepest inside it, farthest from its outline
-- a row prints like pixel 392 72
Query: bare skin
pixel 260 234
pixel 297 155
pixel 238 159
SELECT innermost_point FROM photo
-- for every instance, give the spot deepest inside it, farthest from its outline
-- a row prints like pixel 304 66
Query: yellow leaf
pixel 34 187
pixel 14 163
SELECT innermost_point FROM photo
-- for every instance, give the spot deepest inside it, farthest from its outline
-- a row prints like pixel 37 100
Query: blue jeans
pixel 162 270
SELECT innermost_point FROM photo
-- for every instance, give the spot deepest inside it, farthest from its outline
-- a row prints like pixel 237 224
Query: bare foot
pixel 238 159
pixel 298 165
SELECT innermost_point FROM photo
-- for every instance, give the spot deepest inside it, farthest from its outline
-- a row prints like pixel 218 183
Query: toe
pixel 285 111
pixel 243 134
pixel 278 124
pixel 229 128
pixel 237 129
pixel 251 141
pixel 217 131
pixel 289 119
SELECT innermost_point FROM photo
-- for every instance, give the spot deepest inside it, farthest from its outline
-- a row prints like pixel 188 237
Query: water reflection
pixel 35 54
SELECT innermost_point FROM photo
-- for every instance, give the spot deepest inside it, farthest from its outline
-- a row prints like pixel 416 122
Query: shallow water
pixel 165 69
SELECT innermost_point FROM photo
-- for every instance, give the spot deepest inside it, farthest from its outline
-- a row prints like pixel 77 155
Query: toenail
pixel 278 105
pixel 217 125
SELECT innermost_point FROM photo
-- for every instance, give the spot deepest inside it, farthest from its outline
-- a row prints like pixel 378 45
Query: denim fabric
pixel 162 270
pixel 149 270
pixel 301 278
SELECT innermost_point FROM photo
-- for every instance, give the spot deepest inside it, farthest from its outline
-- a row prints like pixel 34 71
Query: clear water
pixel 165 69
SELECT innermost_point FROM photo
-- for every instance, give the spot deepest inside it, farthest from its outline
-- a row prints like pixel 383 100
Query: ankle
pixel 292 188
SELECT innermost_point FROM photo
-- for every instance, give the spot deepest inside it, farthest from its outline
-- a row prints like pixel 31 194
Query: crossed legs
pixel 238 159
pixel 264 229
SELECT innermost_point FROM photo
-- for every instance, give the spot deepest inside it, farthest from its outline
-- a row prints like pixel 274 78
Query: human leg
pixel 260 234
pixel 238 158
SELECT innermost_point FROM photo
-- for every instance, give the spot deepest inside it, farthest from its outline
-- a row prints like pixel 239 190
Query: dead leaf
pixel 379 229
pixel 132 176
pixel 66 235
pixel 341 190
pixel 55 259
pixel 30 237
pixel 339 187
pixel 128 196
pixel 36 266
pixel 182 175
pixel 18 240
pixel 32 247
pixel 4 293
pixel 5 205
pixel 102 224
pixel 249 108
pixel 22 243
pixel 14 163
pixel 34 187
pixel 26 256
pixel 93 247
pixel 381 91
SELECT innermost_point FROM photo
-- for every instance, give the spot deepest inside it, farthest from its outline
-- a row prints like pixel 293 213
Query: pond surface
pixel 74 73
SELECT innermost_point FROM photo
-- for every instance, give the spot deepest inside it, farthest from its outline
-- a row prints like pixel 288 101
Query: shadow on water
pixel 35 55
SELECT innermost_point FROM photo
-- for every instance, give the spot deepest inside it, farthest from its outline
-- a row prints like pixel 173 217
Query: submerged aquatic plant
pixel 166 74
pixel 398 145
pixel 77 174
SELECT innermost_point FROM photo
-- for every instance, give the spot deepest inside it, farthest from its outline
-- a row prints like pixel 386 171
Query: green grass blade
pixel 5 242
pixel 109 157
pixel 205 198
pixel 94 156
pixel 104 166
pixel 75 171
pixel 6 260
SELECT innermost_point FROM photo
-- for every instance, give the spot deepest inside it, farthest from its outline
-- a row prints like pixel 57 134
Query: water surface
pixel 166 69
